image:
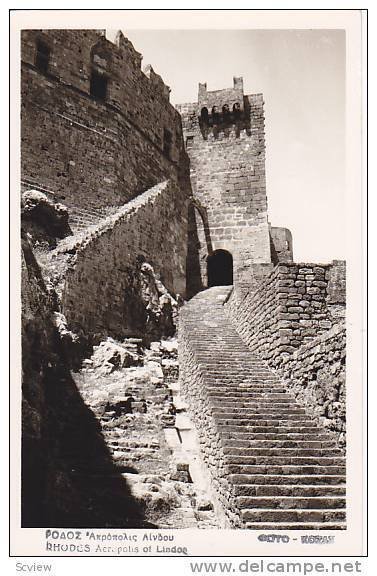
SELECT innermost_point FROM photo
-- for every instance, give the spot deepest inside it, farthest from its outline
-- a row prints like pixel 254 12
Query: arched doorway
pixel 220 268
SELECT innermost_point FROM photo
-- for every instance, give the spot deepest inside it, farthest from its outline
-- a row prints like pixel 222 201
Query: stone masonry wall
pixel 316 374
pixel 287 310
pixel 294 320
pixel 91 153
pixel 101 269
pixel 193 387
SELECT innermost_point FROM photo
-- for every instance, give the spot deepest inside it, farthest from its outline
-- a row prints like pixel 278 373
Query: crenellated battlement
pixel 71 59
pixel 104 124
pixel 230 97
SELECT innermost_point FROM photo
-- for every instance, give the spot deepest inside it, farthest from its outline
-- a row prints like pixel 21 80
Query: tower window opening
pixel 98 85
pixel 226 113
pixel 204 115
pixel 236 111
pixel 167 142
pixel 42 56
pixel 215 115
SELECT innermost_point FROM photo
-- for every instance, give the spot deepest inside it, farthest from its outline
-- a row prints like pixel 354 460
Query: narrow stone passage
pixel 271 464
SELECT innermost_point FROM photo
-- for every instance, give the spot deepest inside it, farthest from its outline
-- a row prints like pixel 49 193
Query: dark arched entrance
pixel 220 268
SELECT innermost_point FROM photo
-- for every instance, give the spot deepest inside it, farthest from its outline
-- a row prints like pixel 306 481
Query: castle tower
pixel 229 233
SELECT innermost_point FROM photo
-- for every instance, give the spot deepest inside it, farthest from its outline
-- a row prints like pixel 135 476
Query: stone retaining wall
pixel 194 389
pixel 295 321
pixel 61 440
pixel 99 270
pixel 287 310
pixel 316 375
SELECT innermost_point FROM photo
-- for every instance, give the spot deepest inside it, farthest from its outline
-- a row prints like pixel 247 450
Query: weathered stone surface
pixel 94 153
pixel 43 220
pixel 110 355
pixel 108 264
pixel 261 314
pixel 229 207
pixel 315 374
pixel 134 405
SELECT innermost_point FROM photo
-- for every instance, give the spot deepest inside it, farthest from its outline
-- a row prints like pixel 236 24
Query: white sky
pixel 302 76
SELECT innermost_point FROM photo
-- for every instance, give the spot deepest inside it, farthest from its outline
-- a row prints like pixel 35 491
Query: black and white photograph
pixel 190 272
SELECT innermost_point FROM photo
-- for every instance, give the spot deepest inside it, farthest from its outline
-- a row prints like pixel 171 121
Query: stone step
pixel 291 503
pixel 284 461
pixel 274 515
pixel 266 393
pixel 291 479
pixel 247 415
pixel 238 357
pixel 283 452
pixel 250 415
pixel 261 404
pixel 239 376
pixel 295 526
pixel 217 385
pixel 259 411
pixel 278 436
pixel 229 394
pixel 288 490
pixel 133 451
pixel 263 428
pixel 305 470
pixel 256 441
pixel 222 372
pixel 264 402
pixel 262 421
pixel 283 469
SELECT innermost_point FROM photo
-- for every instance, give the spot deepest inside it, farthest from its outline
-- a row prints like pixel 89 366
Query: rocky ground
pixel 133 392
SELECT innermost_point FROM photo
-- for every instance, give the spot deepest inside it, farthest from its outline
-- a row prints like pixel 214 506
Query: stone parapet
pixel 98 272
pixel 316 375
pixel 288 309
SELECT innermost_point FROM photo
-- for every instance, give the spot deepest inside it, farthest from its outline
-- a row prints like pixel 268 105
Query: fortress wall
pixel 101 291
pixel 88 152
pixel 316 374
pixel 288 309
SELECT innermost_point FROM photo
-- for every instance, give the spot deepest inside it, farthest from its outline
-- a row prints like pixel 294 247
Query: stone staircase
pixel 272 466
pixel 137 409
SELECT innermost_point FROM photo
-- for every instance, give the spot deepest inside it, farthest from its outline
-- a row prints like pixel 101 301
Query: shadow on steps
pixel 67 474
pixel 68 477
